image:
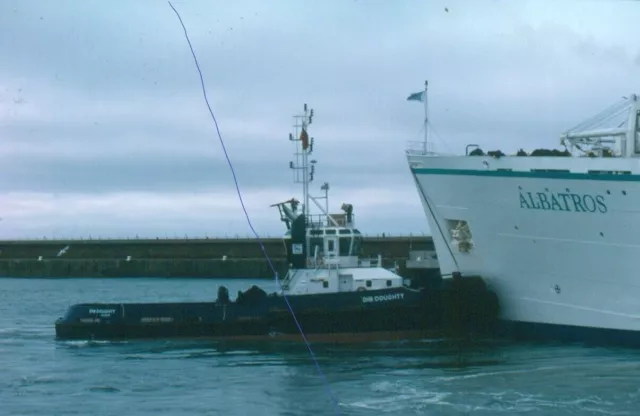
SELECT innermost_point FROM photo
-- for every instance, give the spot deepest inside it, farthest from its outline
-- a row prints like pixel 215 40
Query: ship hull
pixel 553 237
pixel 572 334
pixel 398 313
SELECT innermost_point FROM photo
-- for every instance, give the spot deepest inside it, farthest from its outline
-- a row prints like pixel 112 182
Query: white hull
pixel 559 248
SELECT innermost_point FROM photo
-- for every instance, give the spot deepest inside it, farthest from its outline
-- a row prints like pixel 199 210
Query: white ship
pixel 557 238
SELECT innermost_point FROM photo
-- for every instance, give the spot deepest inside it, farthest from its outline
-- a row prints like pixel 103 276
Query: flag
pixel 416 96
pixel 305 139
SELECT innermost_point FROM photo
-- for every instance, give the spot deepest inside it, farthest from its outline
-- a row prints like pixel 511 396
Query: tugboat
pixel 329 292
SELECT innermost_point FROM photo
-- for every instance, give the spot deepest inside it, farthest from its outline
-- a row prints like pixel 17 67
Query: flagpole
pixel 426 117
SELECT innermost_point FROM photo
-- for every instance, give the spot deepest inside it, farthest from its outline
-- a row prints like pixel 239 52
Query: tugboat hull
pixel 334 293
pixel 352 316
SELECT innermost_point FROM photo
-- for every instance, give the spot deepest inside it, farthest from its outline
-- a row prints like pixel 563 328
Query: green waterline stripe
pixel 536 174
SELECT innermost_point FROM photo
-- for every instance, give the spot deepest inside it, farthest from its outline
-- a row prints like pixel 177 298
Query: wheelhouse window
pixel 357 246
pixel 345 246
pixel 316 242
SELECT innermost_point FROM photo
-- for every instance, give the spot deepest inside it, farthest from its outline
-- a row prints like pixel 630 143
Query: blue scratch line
pixel 204 93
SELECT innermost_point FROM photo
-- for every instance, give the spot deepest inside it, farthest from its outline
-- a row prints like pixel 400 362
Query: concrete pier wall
pixel 214 257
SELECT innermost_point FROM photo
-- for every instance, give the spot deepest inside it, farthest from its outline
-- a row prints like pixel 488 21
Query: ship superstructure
pixel 555 235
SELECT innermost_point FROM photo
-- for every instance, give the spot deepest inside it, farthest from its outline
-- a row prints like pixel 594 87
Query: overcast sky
pixel 104 130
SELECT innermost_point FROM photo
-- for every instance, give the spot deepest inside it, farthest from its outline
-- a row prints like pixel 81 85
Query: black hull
pixel 372 315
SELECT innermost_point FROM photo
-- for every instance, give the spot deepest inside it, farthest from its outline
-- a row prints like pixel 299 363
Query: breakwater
pixel 206 257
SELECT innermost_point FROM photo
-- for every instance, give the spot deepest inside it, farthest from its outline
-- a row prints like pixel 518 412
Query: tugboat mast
pixel 303 169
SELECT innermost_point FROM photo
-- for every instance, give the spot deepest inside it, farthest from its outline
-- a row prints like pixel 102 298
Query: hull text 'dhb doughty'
pixel 334 294
pixel 554 234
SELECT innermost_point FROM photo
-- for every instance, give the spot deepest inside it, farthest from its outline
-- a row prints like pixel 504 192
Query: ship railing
pixel 613 127
pixel 419 148
pixel 321 220
pixel 366 263
pixel 332 263
pixel 286 282
pixel 344 261
pixel 370 262
pixel 419 259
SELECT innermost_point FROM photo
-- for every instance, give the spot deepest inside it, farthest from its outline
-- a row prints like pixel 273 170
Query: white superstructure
pixel 556 237
pixel 326 258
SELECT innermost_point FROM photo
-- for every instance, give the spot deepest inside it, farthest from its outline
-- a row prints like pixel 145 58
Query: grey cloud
pixel 316 63
pixel 320 66
pixel 106 98
pixel 144 46
pixel 172 155
pixel 147 170
pixel 113 174
pixel 391 220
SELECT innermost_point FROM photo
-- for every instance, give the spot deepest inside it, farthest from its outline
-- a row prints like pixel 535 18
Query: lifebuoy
pixel 361 289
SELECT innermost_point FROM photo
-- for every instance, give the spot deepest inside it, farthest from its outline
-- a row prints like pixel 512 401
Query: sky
pixel 104 131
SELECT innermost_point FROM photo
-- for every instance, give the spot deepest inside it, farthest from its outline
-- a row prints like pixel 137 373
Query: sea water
pixel 41 376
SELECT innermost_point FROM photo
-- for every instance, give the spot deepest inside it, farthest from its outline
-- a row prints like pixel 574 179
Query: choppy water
pixel 39 376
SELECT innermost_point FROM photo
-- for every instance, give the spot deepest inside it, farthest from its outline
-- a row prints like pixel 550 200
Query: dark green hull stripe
pixel 529 174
